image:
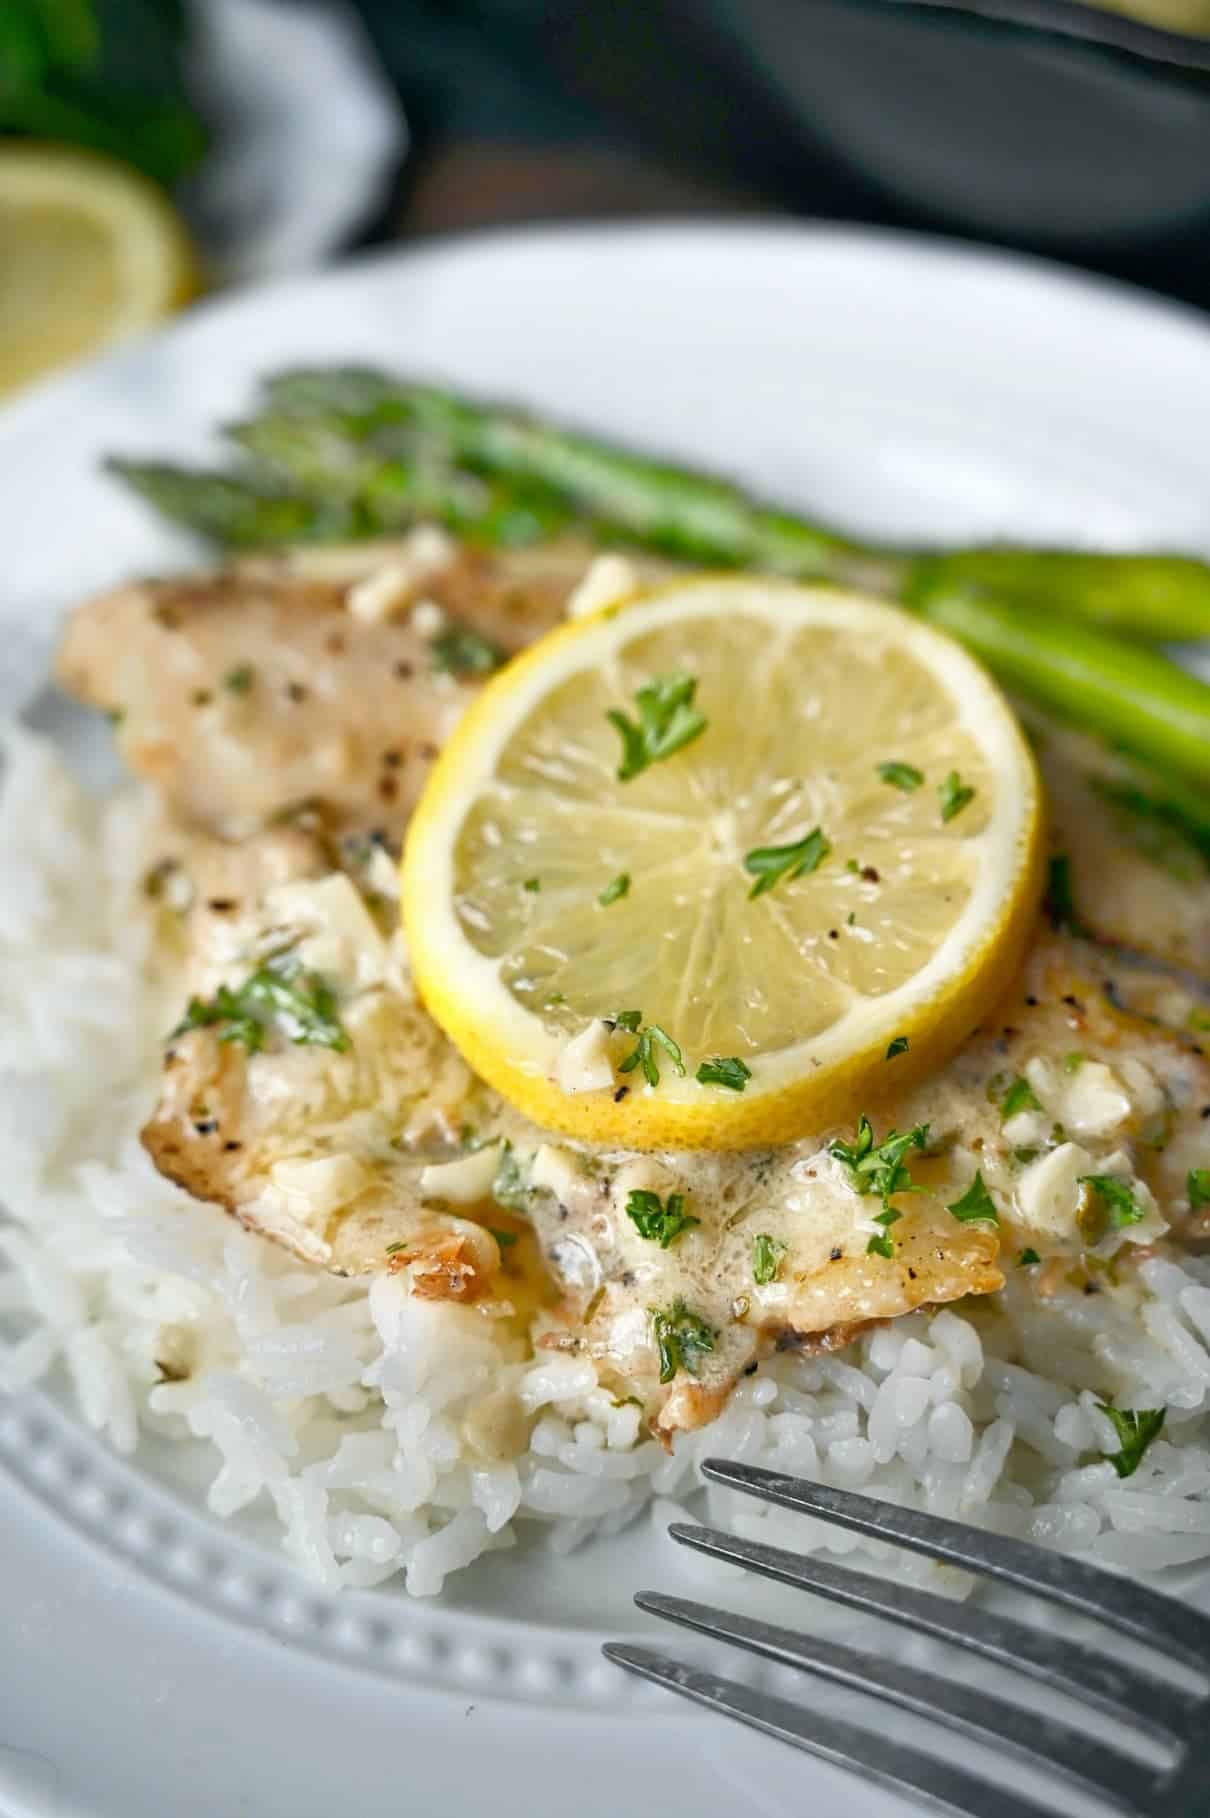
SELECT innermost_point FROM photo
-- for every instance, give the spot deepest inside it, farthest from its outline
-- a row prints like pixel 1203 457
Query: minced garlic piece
pixel 465 1180
pixel 313 1190
pixel 585 1063
pixel 425 552
pixel 339 938
pixel 1048 1193
pixel 428 619
pixel 609 578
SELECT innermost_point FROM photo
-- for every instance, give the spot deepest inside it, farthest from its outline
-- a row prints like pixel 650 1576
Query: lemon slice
pixel 92 253
pixel 905 930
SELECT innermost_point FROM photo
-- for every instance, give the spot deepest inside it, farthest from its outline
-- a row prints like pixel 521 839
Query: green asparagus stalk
pixel 1151 596
pixel 1136 698
pixel 375 468
pixel 235 510
pixel 684 515
pixel 1161 597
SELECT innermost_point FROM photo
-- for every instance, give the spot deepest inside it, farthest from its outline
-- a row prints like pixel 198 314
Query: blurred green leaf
pixel 106 74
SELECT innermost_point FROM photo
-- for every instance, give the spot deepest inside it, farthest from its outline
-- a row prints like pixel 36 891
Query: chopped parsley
pixel 643 1054
pixel 240 679
pixel 1197 1183
pixel 724 1070
pixel 667 722
pixel 1019 1097
pixel 115 715
pixel 533 885
pixel 616 889
pixel 767 1253
pixel 682 1338
pixel 1059 902
pixel 901 776
pixel 505 1239
pixel 463 652
pixel 1027 1259
pixel 880 1168
pixel 1115 1199
pixel 511 1188
pixel 882 1243
pixel 770 864
pixel 954 795
pixel 1073 1062
pixel 1199 1020
pixel 279 991
pixel 1135 1428
pixel 658 1222
pixel 896 1047
pixel 976 1206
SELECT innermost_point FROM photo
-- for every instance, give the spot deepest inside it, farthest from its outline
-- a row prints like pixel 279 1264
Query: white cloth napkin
pixel 307 133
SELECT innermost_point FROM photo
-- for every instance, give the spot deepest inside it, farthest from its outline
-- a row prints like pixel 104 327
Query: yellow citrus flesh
pixel 910 927
pixel 92 253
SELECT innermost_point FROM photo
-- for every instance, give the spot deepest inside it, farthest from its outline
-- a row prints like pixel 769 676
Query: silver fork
pixel 1142 1701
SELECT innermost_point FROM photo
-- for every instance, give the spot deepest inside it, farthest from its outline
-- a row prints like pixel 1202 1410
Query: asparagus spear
pixel 1164 597
pixel 707 520
pixel 375 466
pixel 234 509
pixel 1136 698
pixel 658 506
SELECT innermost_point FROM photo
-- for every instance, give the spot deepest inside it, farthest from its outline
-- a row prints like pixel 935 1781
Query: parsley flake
pixel 1135 1428
pixel 533 885
pixel 667 722
pixel 279 991
pixel 880 1168
pixel 767 1253
pixel 1197 1184
pixel 896 1047
pixel 901 776
pixel 643 1053
pixel 615 890
pixel 1116 1200
pixel 770 864
pixel 1059 901
pixel 463 652
pixel 682 1338
pixel 505 1239
pixel 1027 1259
pixel 240 679
pixel 882 1244
pixel 1019 1097
pixel 658 1223
pixel 724 1070
pixel 954 795
pixel 976 1206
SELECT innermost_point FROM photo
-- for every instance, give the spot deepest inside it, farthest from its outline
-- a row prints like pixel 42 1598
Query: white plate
pixel 156 1661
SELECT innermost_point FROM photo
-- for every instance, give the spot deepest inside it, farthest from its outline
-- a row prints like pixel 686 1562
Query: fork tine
pixel 849 1745
pixel 1132 1609
pixel 1153 1705
pixel 1029 1733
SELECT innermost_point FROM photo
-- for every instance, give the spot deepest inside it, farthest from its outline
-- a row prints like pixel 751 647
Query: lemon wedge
pixel 92 253
pixel 830 877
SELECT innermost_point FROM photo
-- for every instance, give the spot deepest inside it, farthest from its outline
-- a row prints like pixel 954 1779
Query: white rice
pixel 358 1415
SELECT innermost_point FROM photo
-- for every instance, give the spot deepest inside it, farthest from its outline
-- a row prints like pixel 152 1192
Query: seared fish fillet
pixel 307 677
pixel 390 1154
